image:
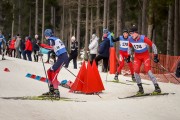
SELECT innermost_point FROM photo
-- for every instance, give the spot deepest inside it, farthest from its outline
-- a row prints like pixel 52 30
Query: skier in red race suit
pixel 139 43
pixel 61 52
pixel 123 47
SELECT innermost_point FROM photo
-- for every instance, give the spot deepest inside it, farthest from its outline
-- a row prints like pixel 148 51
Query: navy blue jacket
pixel 104 48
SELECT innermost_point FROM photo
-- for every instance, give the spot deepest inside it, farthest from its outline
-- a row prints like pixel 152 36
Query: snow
pixel 83 107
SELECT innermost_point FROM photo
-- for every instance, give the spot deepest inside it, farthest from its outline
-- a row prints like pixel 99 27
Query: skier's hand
pixel 128 59
pixel 156 60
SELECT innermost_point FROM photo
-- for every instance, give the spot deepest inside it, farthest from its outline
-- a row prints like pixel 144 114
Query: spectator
pixel 17 46
pixel 35 43
pixel 12 47
pixel 93 47
pixel 22 48
pixel 74 53
pixel 104 52
pixel 28 48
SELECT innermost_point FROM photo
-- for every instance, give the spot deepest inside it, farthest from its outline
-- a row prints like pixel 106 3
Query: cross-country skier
pixel 139 43
pixel 123 48
pixel 60 51
pixel 2 45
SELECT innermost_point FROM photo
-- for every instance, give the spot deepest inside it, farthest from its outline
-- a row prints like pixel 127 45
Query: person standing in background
pixel 93 47
pixel 28 48
pixel 17 46
pixel 74 53
pixel 35 43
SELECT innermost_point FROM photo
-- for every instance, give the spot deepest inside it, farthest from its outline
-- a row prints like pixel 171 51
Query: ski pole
pixel 74 74
pixel 168 72
pixel 45 71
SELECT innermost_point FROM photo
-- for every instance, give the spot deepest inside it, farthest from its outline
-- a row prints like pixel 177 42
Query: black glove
pixel 156 60
pixel 128 59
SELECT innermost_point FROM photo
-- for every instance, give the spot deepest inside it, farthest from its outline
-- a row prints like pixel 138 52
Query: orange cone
pixel 6 70
pixel 112 59
pixel 79 81
pixel 99 80
pixel 91 84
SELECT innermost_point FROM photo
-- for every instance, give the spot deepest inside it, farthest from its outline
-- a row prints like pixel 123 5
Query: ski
pixel 135 82
pixel 42 98
pixel 145 95
pixel 115 81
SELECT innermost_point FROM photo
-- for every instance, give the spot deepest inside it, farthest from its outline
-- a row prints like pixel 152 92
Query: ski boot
pixel 133 78
pixel 50 93
pixel 116 76
pixel 157 89
pixel 141 90
pixel 3 58
pixel 56 94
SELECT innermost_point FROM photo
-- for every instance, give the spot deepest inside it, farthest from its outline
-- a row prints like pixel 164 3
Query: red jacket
pixel 28 45
pixel 12 44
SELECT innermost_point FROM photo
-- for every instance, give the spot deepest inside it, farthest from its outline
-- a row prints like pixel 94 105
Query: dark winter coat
pixel 22 45
pixel 74 48
pixel 35 45
pixel 104 48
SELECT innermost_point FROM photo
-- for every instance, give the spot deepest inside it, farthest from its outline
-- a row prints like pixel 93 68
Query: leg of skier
pixel 147 67
pixel 137 65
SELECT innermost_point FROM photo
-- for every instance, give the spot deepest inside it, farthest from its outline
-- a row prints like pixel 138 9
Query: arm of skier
pixel 154 49
pixel 151 44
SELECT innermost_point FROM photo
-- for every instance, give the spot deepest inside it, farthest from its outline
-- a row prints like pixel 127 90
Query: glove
pixel 156 60
pixel 128 59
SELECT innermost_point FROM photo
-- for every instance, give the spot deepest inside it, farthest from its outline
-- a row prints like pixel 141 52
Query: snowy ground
pixel 89 107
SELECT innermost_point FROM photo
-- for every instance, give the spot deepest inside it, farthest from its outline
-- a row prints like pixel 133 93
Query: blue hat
pixel 48 32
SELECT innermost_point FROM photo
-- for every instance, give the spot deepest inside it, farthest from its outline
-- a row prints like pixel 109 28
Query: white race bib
pixel 58 45
pixel 139 46
pixel 123 44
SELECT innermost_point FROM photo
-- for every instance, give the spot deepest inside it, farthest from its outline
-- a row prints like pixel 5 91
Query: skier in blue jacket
pixel 60 51
pixel 2 45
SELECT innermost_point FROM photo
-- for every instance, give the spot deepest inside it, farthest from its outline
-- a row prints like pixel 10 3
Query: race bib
pixel 139 46
pixel 123 44
pixel 58 45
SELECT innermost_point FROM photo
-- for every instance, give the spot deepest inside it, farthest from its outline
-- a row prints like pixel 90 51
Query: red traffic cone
pixel 79 81
pixel 6 70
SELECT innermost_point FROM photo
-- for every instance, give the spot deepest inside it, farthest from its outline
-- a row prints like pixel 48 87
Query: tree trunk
pixel 30 22
pixel 70 29
pixel 52 14
pixel 139 22
pixel 144 14
pixel 97 18
pixel 62 30
pixel 150 21
pixel 19 17
pixel 43 21
pixel 54 20
pixel 119 21
pixel 12 30
pixel 105 14
pixel 91 30
pixel 78 25
pixel 1 19
pixel 119 17
pixel 115 26
pixel 108 19
pixel 170 30
pixel 176 41
pixel 87 29
pixel 36 18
